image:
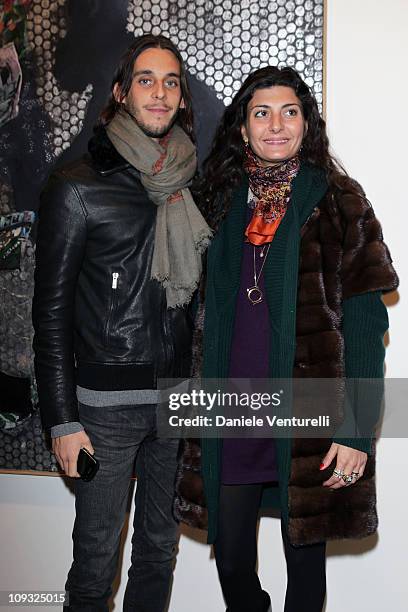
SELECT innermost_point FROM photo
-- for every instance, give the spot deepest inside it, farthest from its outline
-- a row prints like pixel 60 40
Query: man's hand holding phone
pixel 67 448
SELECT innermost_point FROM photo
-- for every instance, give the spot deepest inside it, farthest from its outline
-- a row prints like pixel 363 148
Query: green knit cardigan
pixel 365 322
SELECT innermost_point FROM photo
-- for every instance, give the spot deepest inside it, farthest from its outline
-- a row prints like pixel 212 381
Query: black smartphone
pixel 87 465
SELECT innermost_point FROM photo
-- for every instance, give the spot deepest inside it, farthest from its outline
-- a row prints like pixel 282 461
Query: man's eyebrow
pixel 169 74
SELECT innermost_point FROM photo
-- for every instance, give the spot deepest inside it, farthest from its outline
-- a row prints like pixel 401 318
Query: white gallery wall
pixel 367 100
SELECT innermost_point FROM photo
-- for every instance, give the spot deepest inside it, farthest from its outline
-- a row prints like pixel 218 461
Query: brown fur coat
pixel 342 254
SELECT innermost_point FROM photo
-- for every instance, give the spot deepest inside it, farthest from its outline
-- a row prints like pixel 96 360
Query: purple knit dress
pixel 249 460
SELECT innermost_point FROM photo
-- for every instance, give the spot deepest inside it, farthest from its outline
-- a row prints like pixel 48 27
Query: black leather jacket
pixel 99 319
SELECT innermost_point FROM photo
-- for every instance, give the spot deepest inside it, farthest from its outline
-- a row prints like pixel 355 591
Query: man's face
pixel 155 96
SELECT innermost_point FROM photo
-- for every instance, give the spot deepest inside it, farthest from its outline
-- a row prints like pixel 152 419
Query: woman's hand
pixel 350 463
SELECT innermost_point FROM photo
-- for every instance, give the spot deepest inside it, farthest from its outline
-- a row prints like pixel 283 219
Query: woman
pixel 293 289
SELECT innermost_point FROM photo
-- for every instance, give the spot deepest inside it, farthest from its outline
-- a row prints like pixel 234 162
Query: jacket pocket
pixel 114 280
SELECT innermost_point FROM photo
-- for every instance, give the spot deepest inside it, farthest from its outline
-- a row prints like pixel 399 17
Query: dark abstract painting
pixel 57 59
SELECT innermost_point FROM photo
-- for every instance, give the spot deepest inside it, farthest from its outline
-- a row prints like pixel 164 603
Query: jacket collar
pixel 105 157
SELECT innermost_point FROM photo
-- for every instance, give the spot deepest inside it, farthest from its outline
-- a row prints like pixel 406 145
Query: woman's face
pixel 274 126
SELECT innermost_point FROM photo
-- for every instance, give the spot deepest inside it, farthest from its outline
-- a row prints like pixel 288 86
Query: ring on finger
pixel 348 478
pixel 338 473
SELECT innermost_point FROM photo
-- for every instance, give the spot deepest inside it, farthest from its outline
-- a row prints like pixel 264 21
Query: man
pixel 118 258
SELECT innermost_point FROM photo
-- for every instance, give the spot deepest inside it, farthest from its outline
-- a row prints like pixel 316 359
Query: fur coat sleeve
pixel 366 262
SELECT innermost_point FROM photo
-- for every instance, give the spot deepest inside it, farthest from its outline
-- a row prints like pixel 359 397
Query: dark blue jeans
pixel 119 435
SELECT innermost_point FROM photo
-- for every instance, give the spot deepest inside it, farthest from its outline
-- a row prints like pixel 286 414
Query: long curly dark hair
pixel 223 169
pixel 124 76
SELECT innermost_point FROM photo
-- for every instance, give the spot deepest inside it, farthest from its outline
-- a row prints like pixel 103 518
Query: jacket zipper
pixel 112 306
pixel 167 342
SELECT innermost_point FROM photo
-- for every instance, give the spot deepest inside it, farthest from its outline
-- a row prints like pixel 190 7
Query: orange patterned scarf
pixel 272 188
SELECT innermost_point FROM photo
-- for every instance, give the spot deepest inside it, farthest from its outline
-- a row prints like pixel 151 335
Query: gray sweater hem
pixel 90 397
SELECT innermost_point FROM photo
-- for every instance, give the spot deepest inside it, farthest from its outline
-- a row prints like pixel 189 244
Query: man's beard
pixel 151 131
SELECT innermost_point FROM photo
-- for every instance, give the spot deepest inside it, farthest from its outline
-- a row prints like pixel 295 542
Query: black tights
pixel 236 553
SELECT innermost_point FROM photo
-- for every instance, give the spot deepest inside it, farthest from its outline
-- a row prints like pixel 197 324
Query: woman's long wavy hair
pixel 124 78
pixel 223 169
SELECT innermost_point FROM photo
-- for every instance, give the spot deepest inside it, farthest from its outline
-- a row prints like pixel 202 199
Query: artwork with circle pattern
pixel 224 40
pixel 72 49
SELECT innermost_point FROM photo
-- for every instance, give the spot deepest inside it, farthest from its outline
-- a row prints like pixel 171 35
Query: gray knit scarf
pixel 166 166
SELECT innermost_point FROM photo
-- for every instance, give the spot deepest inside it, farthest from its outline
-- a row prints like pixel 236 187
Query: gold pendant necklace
pixel 255 295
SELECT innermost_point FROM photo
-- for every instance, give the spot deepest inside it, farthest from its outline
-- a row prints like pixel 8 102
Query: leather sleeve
pixel 60 249
pixel 367 264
